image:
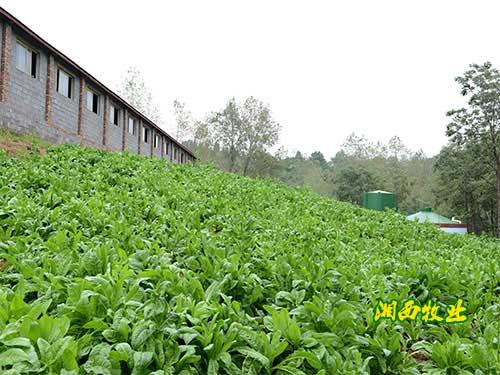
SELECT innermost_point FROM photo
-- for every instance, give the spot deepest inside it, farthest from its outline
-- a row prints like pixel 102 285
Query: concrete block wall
pixel 25 99
pixel 33 104
pixel 93 124
pixel 65 111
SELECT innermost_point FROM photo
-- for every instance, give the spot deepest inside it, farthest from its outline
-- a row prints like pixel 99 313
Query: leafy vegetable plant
pixel 119 264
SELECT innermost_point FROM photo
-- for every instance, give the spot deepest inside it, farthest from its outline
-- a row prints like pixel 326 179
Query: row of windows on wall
pixel 114 115
pixel 27 60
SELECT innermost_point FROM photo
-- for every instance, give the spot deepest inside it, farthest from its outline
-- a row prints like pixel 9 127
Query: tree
pixel 351 182
pixel 134 90
pixel 357 146
pixel 244 131
pixel 184 122
pixel 465 186
pixel 260 130
pixel 478 125
pixel 397 149
pixel 228 131
pixel 299 156
pixel 318 157
pixel 265 165
pixel 361 148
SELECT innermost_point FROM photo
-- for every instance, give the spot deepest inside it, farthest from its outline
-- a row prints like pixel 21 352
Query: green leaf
pixel 294 332
pixel 140 333
pixel 97 325
pixel 141 362
pixel 13 356
pixel 311 358
pixel 249 352
pixel 213 367
pixel 18 341
pixel 44 349
pixel 125 350
pixel 111 335
pixel 289 370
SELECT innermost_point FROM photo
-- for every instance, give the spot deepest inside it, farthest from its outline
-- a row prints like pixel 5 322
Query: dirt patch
pixel 418 356
pixel 18 147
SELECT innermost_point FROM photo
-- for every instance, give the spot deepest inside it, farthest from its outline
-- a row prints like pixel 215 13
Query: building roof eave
pixel 61 56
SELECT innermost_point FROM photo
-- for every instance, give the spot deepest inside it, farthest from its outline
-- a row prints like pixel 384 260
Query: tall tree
pixel 318 157
pixel 259 128
pixel 397 149
pixel 479 123
pixel 134 90
pixel 184 122
pixel 465 186
pixel 360 147
pixel 228 132
pixel 244 131
pixel 352 181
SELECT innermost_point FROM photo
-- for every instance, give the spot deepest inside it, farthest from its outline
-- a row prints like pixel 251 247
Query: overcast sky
pixel 326 68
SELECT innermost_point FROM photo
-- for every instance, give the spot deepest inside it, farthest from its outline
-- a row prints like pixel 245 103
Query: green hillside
pixel 119 264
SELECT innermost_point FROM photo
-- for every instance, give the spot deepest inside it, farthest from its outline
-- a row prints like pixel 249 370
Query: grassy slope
pixel 122 264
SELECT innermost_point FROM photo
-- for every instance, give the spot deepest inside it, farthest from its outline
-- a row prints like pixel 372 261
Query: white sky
pixel 327 68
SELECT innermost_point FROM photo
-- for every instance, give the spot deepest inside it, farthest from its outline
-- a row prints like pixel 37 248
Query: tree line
pixel 462 181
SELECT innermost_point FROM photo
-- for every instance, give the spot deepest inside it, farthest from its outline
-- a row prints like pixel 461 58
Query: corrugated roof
pixel 427 216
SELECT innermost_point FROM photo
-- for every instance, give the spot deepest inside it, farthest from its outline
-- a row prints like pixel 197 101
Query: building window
pixel 92 101
pixel 114 115
pixel 145 134
pixel 26 59
pixel 156 141
pixel 64 83
pixel 175 153
pixel 132 124
pixel 167 146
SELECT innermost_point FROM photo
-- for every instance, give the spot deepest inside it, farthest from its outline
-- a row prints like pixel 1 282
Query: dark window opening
pixel 64 83
pixel 131 125
pixel 95 103
pixel 92 101
pixel 34 62
pixel 156 141
pixel 26 60
pixel 115 115
pixel 145 134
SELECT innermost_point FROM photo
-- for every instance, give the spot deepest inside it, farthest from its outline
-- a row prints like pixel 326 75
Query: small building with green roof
pixel 425 215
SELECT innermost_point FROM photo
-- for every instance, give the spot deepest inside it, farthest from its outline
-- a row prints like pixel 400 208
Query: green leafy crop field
pixel 119 264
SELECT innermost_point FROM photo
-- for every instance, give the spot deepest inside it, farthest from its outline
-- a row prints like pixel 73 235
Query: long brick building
pixel 43 91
